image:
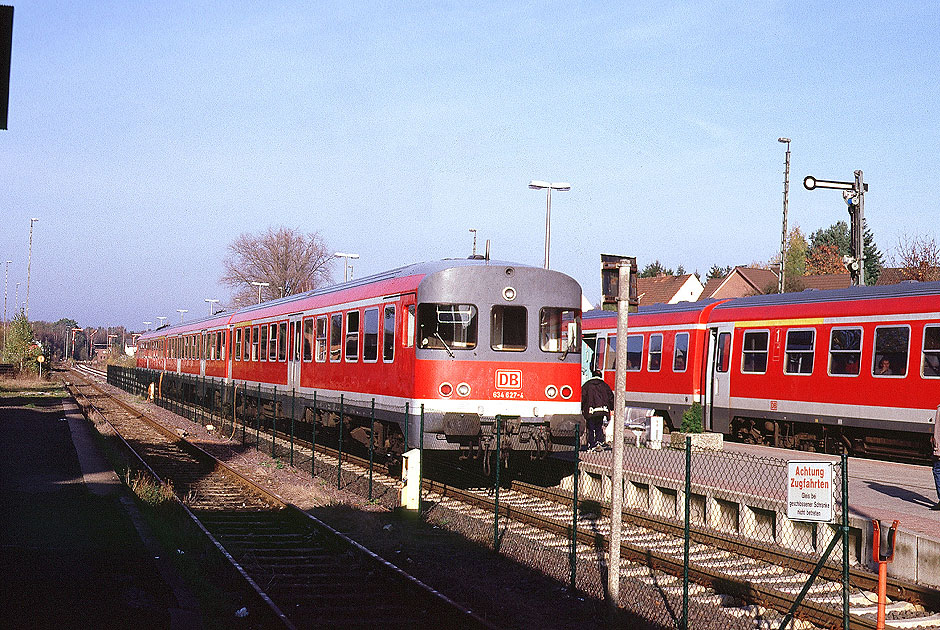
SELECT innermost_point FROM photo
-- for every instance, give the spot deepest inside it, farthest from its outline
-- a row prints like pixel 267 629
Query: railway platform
pixel 877 490
pixel 74 552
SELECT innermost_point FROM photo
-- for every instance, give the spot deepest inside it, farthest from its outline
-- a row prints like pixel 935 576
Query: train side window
pixel 309 338
pixel 656 353
pixel 560 330
pixel 222 345
pixel 298 337
pixel 352 336
pixel 336 337
pixel 600 354
pixel 272 343
pixel 247 344
pixel 254 343
pixel 723 359
pixel 634 353
pixel 508 328
pixel 680 359
pixel 754 351
pixel 410 327
pixel 610 361
pixel 388 344
pixel 263 345
pixel 891 348
pixel 800 346
pixel 321 339
pixel 930 365
pixel 282 339
pixel 845 351
pixel 370 335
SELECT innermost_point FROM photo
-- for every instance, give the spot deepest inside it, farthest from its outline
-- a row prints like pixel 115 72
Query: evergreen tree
pixel 839 236
pixel 654 269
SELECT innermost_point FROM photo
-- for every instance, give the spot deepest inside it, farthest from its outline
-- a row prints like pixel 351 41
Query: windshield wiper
pixel 444 343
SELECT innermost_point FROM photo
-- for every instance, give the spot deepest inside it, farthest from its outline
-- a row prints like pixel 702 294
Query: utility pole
pixel 29 262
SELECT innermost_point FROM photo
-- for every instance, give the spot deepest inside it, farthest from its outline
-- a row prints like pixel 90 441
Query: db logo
pixel 508 379
pixel 773 405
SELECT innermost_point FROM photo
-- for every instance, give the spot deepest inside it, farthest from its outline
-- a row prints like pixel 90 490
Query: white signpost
pixel 809 491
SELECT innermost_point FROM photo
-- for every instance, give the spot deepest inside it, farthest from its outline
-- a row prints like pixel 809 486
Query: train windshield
pixel 447 326
pixel 560 330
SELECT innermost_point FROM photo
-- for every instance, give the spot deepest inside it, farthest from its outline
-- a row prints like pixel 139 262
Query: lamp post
pixel 181 311
pixel 6 273
pixel 783 235
pixel 259 285
pixel 17 294
pixel 147 324
pixel 211 308
pixel 161 321
pixel 345 258
pixel 29 261
pixel 474 253
pixel 549 187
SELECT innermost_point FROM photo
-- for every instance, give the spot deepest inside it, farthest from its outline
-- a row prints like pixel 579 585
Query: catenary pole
pixel 616 417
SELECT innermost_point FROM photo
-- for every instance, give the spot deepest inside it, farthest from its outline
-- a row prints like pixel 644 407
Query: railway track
pixel 307 574
pixel 765 579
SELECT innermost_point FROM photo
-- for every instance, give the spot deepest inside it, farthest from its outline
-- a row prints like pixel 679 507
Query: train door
pixel 294 351
pixel 588 354
pixel 203 352
pixel 718 377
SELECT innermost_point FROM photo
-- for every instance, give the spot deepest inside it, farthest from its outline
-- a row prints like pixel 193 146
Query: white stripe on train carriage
pixel 836 410
pixel 662 398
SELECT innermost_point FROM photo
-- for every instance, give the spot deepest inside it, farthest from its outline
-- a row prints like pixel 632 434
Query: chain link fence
pixel 706 540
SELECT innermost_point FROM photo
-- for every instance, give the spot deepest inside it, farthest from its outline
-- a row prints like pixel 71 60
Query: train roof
pixel 907 289
pixel 281 305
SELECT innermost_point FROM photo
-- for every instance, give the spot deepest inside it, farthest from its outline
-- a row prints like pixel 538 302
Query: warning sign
pixel 809 491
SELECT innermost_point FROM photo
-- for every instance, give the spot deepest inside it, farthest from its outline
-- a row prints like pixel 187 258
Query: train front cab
pixel 503 340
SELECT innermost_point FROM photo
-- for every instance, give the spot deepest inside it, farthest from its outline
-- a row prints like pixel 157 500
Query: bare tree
pixel 288 260
pixel 918 258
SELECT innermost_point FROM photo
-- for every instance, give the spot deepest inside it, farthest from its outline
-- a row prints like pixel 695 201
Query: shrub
pixel 692 419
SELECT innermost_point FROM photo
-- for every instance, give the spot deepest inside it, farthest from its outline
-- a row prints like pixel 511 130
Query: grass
pixel 30 385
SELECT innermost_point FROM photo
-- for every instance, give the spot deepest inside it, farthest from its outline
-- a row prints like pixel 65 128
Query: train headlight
pixel 551 391
pixel 446 389
pixel 509 293
pixel 463 389
pixel 566 392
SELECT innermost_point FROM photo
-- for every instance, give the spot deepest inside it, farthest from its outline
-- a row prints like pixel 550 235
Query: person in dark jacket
pixel 597 400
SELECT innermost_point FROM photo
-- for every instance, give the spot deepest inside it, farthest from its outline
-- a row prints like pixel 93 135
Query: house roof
pixel 755 278
pixel 826 281
pixel 659 289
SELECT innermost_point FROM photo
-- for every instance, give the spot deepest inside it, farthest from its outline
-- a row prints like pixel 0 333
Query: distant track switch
pixel 882 561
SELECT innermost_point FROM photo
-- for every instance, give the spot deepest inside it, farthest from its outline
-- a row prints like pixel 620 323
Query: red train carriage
pixel 463 339
pixel 857 368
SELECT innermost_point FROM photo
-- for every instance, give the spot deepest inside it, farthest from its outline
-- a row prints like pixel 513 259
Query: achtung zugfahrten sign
pixel 809 491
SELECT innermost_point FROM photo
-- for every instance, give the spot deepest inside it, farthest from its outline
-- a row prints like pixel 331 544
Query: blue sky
pixel 147 136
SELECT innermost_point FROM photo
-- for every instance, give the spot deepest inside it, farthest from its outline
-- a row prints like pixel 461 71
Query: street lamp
pixel 549 187
pixel 29 261
pixel 783 235
pixel 259 285
pixel 474 254
pixel 147 324
pixel 181 311
pixel 6 273
pixel 345 258
pixel 211 308
pixel 161 321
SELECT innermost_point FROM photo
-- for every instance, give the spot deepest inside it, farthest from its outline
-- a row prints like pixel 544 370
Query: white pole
pixel 617 417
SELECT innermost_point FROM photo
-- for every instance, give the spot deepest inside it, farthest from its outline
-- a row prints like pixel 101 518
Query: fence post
pixel 573 554
pixel 274 423
pixel 212 402
pixel 420 460
pixel 406 426
pixel 496 491
pixel 293 394
pixel 258 419
pixel 371 444
pixel 845 540
pixel 339 461
pixel 313 438
pixel 686 533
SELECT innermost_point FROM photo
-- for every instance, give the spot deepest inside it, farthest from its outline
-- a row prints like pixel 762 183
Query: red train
pixel 855 369
pixel 463 339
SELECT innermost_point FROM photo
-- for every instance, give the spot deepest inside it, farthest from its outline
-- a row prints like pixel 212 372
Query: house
pixel 663 289
pixel 826 281
pixel 740 282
